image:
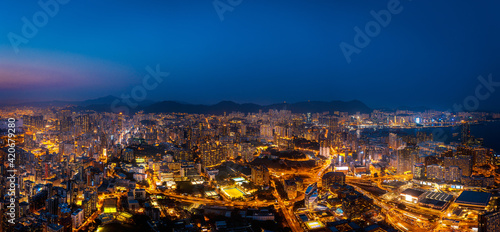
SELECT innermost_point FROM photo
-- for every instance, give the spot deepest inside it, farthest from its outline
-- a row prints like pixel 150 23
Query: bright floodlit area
pixel 233 192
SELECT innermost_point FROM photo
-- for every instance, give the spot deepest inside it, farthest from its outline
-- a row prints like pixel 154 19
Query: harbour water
pixel 489 131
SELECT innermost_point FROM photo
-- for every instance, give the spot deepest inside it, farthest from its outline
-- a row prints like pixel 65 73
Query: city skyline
pixel 351 106
pixel 77 169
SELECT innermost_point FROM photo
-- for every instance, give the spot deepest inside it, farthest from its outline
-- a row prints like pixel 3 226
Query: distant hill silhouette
pixel 321 106
pixel 229 106
pixel 103 104
pixel 97 101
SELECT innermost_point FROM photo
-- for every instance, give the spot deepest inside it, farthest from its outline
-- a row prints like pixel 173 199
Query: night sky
pixel 429 54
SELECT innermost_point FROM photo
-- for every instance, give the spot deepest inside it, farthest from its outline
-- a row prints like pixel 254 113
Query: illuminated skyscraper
pixel 211 154
pixel 83 123
pixel 33 122
pixel 324 148
pixel 466 133
pixel 407 157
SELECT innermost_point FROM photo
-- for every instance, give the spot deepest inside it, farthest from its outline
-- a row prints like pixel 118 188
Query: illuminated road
pixel 207 201
pixel 392 212
pixel 99 204
pixel 314 176
pixel 415 217
pixel 288 214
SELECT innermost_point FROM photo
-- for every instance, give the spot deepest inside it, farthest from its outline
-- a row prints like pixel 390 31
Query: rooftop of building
pixel 413 192
pixel 311 188
pixel 438 196
pixel 474 198
pixel 331 174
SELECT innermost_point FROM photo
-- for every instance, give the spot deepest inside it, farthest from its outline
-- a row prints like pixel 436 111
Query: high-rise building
pixel 333 178
pixel 34 122
pixel 419 171
pixel 246 151
pixel 453 174
pixel 481 155
pixel 260 175
pixel 65 124
pixel 311 196
pixel 465 133
pixel 128 155
pixel 435 172
pixel 83 123
pixel 290 188
pixel 77 218
pixel 211 154
pixel 324 148
pixel 119 122
pixel 416 139
pixel 489 222
pixel 394 141
pixel 478 181
pixel 65 216
pixel 406 158
pixel 266 131
pixel 463 162
pixel 29 141
pixel 90 194
pixel 52 205
pixel 440 173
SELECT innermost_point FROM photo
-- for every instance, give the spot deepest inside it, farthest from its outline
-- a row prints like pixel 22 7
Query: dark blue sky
pixel 430 53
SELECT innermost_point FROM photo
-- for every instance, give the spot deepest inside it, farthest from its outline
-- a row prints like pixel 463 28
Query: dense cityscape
pixel 262 171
